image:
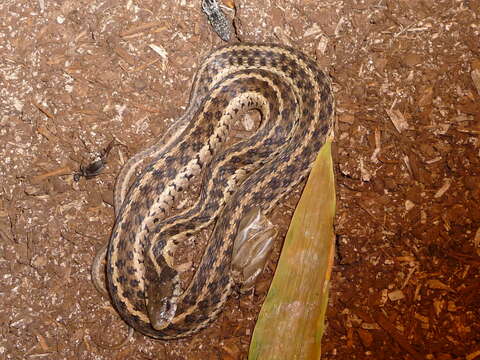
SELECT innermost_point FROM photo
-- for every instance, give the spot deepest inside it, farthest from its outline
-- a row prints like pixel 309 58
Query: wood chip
pixel 427 97
pixel 396 295
pixel 438 306
pixel 231 349
pixel 43 109
pixel 409 205
pixel 378 144
pixel 46 133
pixel 476 241
pixel 350 337
pixel 423 319
pixel 346 118
pixel 66 170
pixel 162 52
pixel 397 119
pixel 366 337
pixel 409 275
pixel 322 45
pixel 229 3
pixel 438 285
pixel 313 31
pixel 451 306
pixel 144 66
pixel 248 121
pixel 440 192
pixel 279 32
pixel 43 343
pixel 141 28
pixel 159 50
pixel 386 324
pixel 121 52
pixel 370 326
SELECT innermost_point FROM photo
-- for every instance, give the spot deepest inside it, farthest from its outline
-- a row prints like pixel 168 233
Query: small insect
pixel 217 18
pixel 94 168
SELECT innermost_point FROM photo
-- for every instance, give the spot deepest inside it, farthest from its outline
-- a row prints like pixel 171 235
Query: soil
pixel 76 74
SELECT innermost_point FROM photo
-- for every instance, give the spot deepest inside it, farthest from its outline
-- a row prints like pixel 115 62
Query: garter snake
pixel 296 104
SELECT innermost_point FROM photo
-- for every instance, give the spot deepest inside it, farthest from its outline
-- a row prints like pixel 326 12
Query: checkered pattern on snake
pixel 296 104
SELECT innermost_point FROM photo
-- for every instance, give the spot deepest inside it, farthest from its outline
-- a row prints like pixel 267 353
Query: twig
pixel 385 323
pixel 141 28
pixel 60 171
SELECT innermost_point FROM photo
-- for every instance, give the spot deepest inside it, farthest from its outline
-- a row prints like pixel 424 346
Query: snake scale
pixel 296 104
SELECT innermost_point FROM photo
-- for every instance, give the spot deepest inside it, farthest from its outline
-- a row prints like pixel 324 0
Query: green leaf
pixel 291 322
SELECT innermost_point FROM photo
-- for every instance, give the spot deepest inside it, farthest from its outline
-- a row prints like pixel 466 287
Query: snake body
pixel 296 104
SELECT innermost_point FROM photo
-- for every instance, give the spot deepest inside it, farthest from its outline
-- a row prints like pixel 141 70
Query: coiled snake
pixel 296 104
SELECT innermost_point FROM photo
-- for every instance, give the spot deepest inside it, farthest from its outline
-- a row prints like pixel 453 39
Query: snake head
pixel 162 288
pixel 161 312
pixel 161 298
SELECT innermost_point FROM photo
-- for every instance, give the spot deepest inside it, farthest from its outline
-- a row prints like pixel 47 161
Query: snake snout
pixel 161 314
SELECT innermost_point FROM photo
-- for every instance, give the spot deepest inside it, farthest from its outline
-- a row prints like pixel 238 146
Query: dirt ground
pixel 76 74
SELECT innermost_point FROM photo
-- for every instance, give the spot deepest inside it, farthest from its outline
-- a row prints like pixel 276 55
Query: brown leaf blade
pixel 291 322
